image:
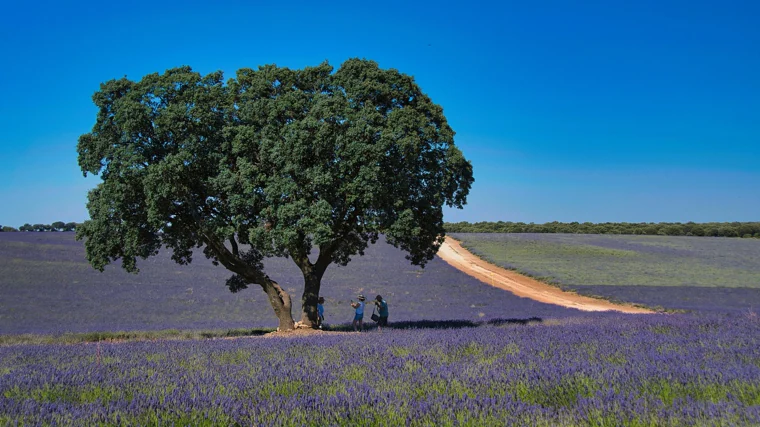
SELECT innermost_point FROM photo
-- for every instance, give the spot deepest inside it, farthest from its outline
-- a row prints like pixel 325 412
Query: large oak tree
pixel 275 162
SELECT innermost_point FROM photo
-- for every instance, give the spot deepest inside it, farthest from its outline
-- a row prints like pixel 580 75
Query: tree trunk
pixel 281 303
pixel 280 300
pixel 312 283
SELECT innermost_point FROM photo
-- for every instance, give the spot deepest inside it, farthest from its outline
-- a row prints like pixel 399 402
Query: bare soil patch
pixel 302 332
pixel 460 258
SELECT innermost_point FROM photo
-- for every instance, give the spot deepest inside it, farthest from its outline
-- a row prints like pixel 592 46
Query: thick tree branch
pixel 234 245
pixel 299 256
pixel 232 262
pixel 325 257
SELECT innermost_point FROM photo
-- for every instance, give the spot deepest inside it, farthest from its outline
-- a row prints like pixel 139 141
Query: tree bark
pixel 309 299
pixel 312 275
pixel 278 297
pixel 281 303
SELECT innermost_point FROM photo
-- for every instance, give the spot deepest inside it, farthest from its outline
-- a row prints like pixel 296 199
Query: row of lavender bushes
pixel 620 370
pixel 458 352
pixel 47 287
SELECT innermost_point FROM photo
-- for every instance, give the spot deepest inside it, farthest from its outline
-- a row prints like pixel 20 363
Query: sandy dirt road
pixel 460 258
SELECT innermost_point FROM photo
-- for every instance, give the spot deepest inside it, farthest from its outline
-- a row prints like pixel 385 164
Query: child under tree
pixel 359 314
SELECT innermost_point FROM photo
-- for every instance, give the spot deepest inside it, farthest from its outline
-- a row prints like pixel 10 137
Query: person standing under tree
pixel 320 311
pixel 359 314
pixel 382 312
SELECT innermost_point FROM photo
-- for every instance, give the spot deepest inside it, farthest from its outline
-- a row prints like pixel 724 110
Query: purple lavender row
pixel 593 370
pixel 48 287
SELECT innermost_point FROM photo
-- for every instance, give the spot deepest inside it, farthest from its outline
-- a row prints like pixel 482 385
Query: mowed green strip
pixel 633 260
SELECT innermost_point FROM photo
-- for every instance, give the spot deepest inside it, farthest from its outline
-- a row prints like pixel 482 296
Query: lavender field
pixel 46 286
pixel 677 272
pixel 458 352
pixel 603 371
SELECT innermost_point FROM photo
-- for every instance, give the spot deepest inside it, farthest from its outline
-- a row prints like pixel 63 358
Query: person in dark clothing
pixel 382 312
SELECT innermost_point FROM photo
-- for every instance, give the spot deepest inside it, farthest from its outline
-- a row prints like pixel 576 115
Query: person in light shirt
pixel 359 313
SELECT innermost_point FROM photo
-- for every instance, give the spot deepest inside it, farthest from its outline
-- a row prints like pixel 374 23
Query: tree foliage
pixel 274 162
pixel 56 226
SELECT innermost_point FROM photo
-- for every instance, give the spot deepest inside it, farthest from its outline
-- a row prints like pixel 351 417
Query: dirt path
pixel 460 258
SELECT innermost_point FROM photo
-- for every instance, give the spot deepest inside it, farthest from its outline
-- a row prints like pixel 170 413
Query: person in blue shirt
pixel 382 312
pixel 359 314
pixel 320 312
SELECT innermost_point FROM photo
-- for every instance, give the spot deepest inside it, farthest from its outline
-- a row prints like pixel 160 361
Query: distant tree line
pixel 716 229
pixel 56 226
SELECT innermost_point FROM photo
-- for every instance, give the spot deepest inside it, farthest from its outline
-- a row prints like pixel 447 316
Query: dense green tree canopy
pixel 275 162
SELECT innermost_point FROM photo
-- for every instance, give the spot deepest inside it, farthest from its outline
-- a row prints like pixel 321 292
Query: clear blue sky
pixel 569 111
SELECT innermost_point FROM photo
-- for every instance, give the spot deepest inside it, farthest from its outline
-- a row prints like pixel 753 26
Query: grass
pixel 585 264
pixel 119 336
pixel 663 273
pixel 202 334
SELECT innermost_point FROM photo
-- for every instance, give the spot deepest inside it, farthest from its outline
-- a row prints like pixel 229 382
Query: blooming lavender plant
pixel 588 370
